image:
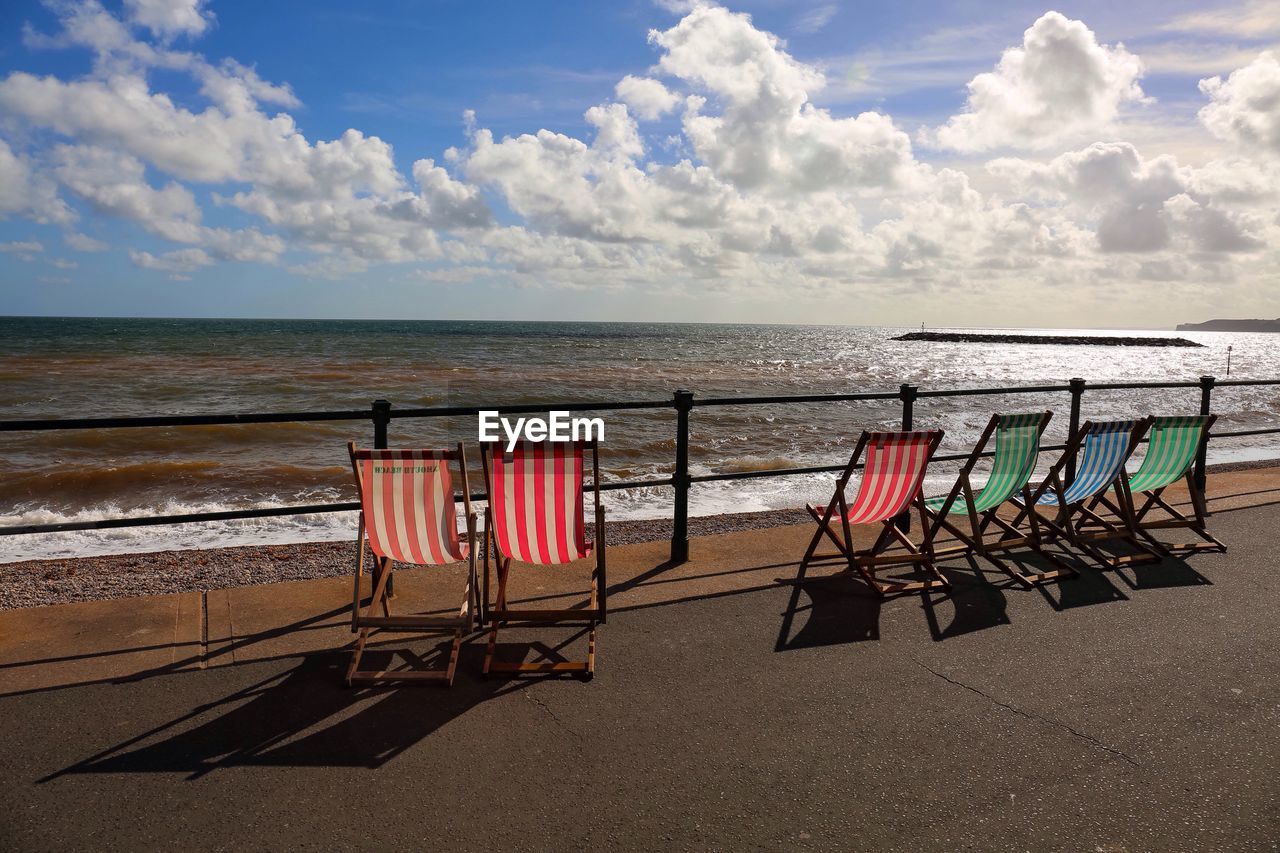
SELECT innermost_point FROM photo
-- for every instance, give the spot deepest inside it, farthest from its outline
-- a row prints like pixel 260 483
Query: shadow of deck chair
pixel 1017 449
pixel 1104 447
pixel 535 517
pixel 890 485
pixel 1171 452
pixel 407 512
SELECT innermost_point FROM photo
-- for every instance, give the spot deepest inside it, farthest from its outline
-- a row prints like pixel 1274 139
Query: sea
pixel 112 367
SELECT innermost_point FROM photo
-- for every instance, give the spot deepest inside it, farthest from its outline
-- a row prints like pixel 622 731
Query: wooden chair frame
pixel 868 562
pixel 500 615
pixel 364 623
pixel 975 539
pixel 1065 522
pixel 1174 518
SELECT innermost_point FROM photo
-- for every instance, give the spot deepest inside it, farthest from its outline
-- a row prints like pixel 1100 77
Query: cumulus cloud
pixel 1245 108
pixel 1058 84
pixel 24 192
pixel 647 98
pixel 747 188
pixel 1134 204
pixel 169 18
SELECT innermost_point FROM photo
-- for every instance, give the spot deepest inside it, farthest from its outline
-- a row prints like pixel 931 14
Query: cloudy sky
pixel 1087 164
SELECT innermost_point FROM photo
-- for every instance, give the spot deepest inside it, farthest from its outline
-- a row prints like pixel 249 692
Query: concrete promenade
pixel 1134 710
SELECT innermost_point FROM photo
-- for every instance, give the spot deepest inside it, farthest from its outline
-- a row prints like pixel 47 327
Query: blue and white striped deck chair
pixel 1103 448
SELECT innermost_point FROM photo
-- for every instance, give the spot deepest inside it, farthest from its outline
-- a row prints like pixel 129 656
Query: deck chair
pixel 535 516
pixel 407 513
pixel 1017 449
pixel 1171 452
pixel 1103 447
pixel 890 485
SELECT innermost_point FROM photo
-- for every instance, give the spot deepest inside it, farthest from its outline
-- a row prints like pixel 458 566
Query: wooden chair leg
pixel 501 604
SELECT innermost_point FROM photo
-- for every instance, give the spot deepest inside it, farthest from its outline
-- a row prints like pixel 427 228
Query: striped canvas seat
pixel 407 499
pixel 894 465
pixel 1171 452
pixel 536 502
pixel 1106 448
pixel 894 472
pixel 1017 450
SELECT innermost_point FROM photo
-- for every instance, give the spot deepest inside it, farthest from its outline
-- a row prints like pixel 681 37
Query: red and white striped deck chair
pixel 407 512
pixel 891 485
pixel 536 517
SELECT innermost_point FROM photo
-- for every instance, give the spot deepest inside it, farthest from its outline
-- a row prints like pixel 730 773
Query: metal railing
pixel 381 413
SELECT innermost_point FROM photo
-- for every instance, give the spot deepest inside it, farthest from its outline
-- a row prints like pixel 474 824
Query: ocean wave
pixel 85 484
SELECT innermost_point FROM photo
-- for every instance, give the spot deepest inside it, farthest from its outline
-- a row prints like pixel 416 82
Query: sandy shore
pixel 38 582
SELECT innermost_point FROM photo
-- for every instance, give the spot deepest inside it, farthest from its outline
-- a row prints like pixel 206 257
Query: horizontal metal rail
pixel 682 403
pixel 182 420
pixel 269 512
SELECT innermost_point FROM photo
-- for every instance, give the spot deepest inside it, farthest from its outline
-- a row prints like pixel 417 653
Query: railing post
pixel 907 393
pixel 1206 400
pixel 683 401
pixel 1073 426
pixel 381 418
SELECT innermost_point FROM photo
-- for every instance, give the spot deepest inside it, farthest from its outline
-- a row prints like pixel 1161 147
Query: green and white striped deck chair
pixel 1174 442
pixel 1017 448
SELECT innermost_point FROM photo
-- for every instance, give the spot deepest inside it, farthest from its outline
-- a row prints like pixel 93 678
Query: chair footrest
pixel 1194 546
pixel 421 623
pixel 1163 523
pixel 580 615
pixel 891 587
pixel 899 558
pixel 1132 560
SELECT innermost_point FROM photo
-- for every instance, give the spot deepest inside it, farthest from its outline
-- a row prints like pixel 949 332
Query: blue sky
pixel 890 163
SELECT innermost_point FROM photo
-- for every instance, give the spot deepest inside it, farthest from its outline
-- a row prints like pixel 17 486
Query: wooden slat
pixel 424 623
pixel 888 587
pixel 506 615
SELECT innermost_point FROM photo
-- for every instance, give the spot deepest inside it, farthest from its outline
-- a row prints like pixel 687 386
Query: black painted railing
pixel 684 403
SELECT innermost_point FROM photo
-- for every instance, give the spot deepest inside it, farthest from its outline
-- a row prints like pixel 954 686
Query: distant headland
pixel 1070 340
pixel 1231 326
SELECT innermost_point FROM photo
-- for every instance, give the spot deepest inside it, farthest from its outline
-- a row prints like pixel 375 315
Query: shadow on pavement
pixel 977 604
pixel 842 609
pixel 304 717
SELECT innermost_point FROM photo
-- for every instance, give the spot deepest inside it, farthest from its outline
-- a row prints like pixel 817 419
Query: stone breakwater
pixel 1068 340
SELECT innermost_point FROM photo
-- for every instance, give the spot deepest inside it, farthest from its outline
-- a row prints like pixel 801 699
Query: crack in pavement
pixel 550 713
pixel 1028 714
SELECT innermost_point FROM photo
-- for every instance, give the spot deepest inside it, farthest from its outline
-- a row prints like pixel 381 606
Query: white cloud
pixel 1135 204
pixel 178 261
pixel 1059 84
pixel 1255 19
pixel 769 134
pixel 816 18
pixel 25 247
pixel 751 190
pixel 115 184
pixel 169 18
pixel 647 98
pixel 1245 108
pixel 24 192
pixel 83 242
